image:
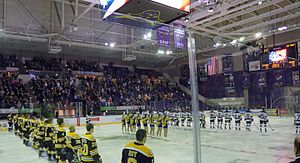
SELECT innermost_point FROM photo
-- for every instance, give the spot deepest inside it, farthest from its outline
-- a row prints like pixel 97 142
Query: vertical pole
pixel 63 15
pixel 195 101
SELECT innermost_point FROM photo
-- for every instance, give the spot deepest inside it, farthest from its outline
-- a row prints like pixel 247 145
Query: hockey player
pixel 220 119
pixel 137 152
pixel 297 122
pixel 189 119
pixel 15 120
pixel 73 145
pixel 138 121
pixel 128 122
pixel 49 132
pixel 248 119
pixel 145 120
pixel 60 141
pixel 20 125
pixel 263 120
pixel 40 136
pixel 237 119
pixel 165 125
pixel 228 119
pixel 26 130
pixel 10 122
pixel 152 124
pixel 212 116
pixel 90 152
pixel 33 129
pixel 202 119
pixel 159 125
pixel 123 121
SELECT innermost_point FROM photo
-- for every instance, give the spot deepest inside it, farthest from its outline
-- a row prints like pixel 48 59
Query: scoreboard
pixel 285 56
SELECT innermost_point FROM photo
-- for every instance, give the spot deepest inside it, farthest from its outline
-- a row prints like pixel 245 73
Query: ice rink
pixel 217 146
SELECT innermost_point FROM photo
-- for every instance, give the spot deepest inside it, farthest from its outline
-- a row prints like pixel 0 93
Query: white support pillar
pixel 195 100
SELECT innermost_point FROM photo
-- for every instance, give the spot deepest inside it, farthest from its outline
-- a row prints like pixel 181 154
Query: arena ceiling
pixel 78 28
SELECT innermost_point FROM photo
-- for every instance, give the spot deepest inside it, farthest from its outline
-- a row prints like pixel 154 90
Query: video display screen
pixel 278 55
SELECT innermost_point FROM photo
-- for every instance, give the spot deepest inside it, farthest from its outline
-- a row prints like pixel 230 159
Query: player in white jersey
pixel 297 122
pixel 237 119
pixel 220 119
pixel 263 120
pixel 248 119
pixel 189 119
pixel 212 117
pixel 202 119
pixel 228 119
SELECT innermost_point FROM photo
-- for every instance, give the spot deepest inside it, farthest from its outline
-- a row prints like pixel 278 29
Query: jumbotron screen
pixel 113 5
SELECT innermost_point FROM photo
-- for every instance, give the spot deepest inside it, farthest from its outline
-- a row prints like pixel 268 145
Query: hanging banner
pixel 296 81
pixel 227 64
pixel 163 36
pixel 246 62
pixel 179 38
pixel 245 80
pixel 229 84
pixel 262 79
pixel 202 73
pixel 278 78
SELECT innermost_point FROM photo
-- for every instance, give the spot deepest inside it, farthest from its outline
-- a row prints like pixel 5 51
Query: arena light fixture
pixel 106 44
pixel 233 42
pixel 210 10
pixel 242 39
pixel 169 52
pixel 112 45
pixel 260 2
pixel 282 28
pixel 258 34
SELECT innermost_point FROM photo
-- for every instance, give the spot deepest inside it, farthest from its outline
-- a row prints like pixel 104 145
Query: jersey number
pixel 131 160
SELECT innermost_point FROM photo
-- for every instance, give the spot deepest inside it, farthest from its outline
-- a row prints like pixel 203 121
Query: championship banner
pixel 229 84
pixel 179 38
pixel 296 81
pixel 246 62
pixel 254 66
pixel 202 72
pixel 262 79
pixel 245 80
pixel 227 64
pixel 163 36
pixel 278 78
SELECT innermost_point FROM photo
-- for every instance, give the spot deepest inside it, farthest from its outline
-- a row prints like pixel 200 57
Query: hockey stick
pixel 270 126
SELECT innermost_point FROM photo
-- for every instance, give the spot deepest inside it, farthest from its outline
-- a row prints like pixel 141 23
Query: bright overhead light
pixel 210 10
pixel 233 42
pixel 112 45
pixel 106 44
pixel 160 52
pixel 145 37
pixel 258 34
pixel 149 35
pixel 242 39
pixel 169 52
pixel 260 2
pixel 224 45
pixel 282 28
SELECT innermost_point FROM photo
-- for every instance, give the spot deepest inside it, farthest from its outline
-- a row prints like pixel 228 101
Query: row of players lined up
pixel 162 121
pixel 131 122
pixel 54 140
pixel 63 146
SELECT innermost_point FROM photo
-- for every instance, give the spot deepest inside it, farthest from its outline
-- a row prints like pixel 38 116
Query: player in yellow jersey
pixel 73 144
pixel 123 121
pixel 15 120
pixel 138 121
pixel 33 129
pixel 152 124
pixel 49 145
pixel 10 122
pixel 165 125
pixel 90 152
pixel 60 141
pixel 26 130
pixel 133 123
pixel 159 125
pixel 128 122
pixel 145 122
pixel 40 135
pixel 137 152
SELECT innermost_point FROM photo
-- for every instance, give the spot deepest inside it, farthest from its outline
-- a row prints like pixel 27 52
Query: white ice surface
pixel 217 146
